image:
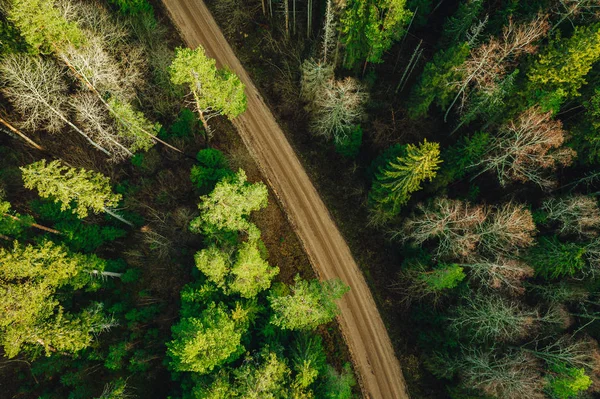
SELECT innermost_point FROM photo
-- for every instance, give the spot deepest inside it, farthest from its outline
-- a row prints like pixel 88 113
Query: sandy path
pixel 372 352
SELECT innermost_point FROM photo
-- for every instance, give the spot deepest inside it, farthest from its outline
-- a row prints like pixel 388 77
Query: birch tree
pixel 525 148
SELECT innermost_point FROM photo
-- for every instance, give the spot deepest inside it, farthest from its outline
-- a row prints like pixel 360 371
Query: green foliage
pixel 459 157
pixel 185 125
pixel 338 385
pixel 443 277
pixel 250 273
pixel 568 382
pixel 11 41
pixel 212 168
pixel 133 7
pixel 402 176
pixel 12 224
pixel 586 137
pixel 369 28
pixel 203 343
pixel 229 204
pixel 457 25
pixel 552 258
pixel 116 356
pixel 421 10
pixel 43 26
pixel 434 82
pixel 265 380
pixel 349 144
pixel 560 71
pixel 219 90
pixel 33 317
pixel 133 126
pixel 310 304
pixel 77 189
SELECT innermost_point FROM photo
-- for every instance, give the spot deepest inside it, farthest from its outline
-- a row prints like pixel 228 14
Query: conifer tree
pixel 311 304
pixel 250 272
pixel 560 71
pixel 33 319
pixel 402 176
pixel 215 91
pixel 80 190
pixel 370 27
pixel 202 343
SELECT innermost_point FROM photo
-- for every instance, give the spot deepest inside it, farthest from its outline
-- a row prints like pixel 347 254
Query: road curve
pixel 378 370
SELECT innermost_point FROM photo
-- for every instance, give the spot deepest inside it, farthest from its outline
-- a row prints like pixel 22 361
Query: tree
pixel 396 181
pixel 37 90
pixel 77 189
pixel 228 205
pixel 250 273
pixel 560 71
pixel 350 144
pixel 339 106
pixel 417 283
pixel 499 273
pixel 315 79
pixel 576 214
pixel 457 26
pixel 567 382
pixel 265 379
pixel 212 168
pixel 132 7
pixel 552 258
pixel 308 306
pixel 42 25
pixel 203 343
pixel 215 91
pixel 507 229
pixel 524 148
pixel 369 28
pixel 215 264
pixel 33 319
pixel 490 318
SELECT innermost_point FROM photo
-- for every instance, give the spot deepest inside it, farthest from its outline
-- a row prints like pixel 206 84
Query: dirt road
pixel 378 369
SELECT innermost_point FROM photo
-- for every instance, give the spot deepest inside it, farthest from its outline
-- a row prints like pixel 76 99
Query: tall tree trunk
pixel 286 11
pixel 309 19
pixel 117 216
pixel 37 226
pixel 264 8
pixel 18 133
pixel 294 11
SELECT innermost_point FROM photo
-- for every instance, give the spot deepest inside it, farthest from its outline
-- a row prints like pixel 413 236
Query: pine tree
pixel 251 273
pixel 402 176
pixel 33 319
pixel 203 343
pixel 311 304
pixel 80 190
pixel 215 91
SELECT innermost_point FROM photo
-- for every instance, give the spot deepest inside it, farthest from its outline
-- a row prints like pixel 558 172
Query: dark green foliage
pixel 434 83
pixel 132 7
pixel 338 385
pixel 421 10
pixel 552 258
pixel 567 382
pixel 11 41
pixel 213 166
pixel 457 25
pixel 186 124
pixel 349 145
pixel 586 135
pixel 459 157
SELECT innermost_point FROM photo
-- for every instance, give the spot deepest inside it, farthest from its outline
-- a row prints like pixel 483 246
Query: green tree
pixel 215 264
pixel 33 318
pixel 203 343
pixel 250 273
pixel 560 71
pixel 43 25
pixel 402 176
pixel 568 382
pixel 370 27
pixel 434 82
pixel 213 167
pixel 133 7
pixel 215 91
pixel 77 189
pixel 349 144
pixel 310 304
pixel 229 204
pixel 267 379
pixel 552 258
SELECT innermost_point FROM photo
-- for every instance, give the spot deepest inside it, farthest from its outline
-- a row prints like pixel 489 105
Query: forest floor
pixel 378 369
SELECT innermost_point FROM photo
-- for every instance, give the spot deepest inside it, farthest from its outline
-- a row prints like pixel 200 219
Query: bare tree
pixel 576 214
pixel 515 375
pixel 507 229
pixel 491 318
pixel 315 78
pixel 329 30
pixel 489 63
pixel 339 107
pixel 499 274
pixel 38 91
pixel 452 222
pixel 524 148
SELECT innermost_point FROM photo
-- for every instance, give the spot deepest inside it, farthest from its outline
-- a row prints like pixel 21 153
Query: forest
pixel 456 144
